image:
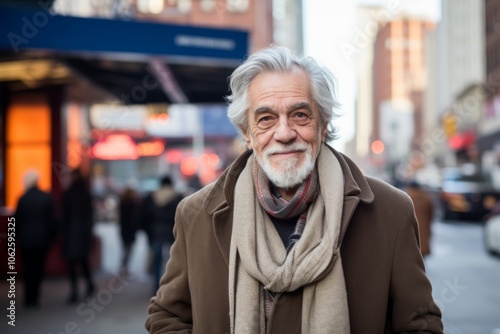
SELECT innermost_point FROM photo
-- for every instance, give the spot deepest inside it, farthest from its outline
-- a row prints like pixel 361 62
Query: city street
pixel 465 279
pixel 109 109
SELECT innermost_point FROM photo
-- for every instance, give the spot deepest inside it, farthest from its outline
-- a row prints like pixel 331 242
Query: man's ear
pixel 247 139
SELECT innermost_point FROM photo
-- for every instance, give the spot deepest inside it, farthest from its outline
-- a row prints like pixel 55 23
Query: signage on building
pixel 122 147
pixel 118 117
pixel 182 121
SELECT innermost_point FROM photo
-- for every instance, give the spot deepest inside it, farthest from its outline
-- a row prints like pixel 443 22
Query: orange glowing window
pixel 28 144
pixel 150 149
pixel 28 123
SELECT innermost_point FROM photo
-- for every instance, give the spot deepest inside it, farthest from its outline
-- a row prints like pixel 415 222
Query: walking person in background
pixel 36 226
pixel 293 238
pixel 128 219
pixel 424 210
pixel 157 220
pixel 77 233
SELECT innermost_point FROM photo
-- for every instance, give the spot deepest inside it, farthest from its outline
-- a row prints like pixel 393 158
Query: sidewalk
pixel 119 304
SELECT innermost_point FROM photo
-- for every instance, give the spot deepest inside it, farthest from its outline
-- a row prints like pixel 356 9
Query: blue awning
pixel 199 58
pixel 39 29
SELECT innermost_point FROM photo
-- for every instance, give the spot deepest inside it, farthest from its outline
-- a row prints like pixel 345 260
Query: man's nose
pixel 284 131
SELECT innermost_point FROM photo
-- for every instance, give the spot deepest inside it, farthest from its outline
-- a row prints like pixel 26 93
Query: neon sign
pixel 122 147
pixel 116 147
pixel 150 149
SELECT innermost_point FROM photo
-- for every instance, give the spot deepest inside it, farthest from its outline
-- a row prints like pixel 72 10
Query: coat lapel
pixel 223 226
pixel 356 190
pixel 219 204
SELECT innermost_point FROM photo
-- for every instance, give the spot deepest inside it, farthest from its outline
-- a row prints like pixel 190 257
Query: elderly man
pixel 292 238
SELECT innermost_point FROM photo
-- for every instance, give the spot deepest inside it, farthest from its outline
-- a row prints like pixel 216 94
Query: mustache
pixel 286 148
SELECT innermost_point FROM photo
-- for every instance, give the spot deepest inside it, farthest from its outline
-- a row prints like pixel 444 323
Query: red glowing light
pixel 116 147
pixel 378 147
pixel 174 156
pixel 189 166
pixel 211 159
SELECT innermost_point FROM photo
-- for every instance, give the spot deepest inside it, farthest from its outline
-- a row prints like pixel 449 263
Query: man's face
pixel 284 127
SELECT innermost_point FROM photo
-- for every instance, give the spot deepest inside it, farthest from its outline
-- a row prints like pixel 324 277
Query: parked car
pixel 492 235
pixel 466 197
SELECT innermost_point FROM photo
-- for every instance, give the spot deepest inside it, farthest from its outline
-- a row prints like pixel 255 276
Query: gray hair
pixel 281 59
pixel 30 179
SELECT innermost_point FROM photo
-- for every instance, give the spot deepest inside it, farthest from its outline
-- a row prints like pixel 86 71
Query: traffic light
pixel 449 124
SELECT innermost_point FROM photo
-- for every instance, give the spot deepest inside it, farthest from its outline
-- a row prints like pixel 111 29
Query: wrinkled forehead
pixel 295 77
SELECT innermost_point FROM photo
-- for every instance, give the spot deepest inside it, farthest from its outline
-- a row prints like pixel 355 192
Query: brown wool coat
pixel 387 289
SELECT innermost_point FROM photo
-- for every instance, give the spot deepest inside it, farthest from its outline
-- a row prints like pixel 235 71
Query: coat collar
pixel 355 182
pixel 220 198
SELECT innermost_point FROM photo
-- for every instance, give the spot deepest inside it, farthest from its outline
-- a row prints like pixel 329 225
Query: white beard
pixel 288 174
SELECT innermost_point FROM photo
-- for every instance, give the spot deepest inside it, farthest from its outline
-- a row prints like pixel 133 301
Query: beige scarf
pixel 257 256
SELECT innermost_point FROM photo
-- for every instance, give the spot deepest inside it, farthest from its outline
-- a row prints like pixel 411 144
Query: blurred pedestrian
pixel 424 210
pixel 128 219
pixel 157 220
pixel 77 233
pixel 194 184
pixel 36 226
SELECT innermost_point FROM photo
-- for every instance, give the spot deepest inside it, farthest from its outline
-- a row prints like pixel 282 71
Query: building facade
pixel 367 23
pixel 460 73
pixel 399 82
pixel 461 56
pixel 488 142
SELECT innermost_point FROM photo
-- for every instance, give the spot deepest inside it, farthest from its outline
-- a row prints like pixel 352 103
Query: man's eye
pixel 266 121
pixel 300 117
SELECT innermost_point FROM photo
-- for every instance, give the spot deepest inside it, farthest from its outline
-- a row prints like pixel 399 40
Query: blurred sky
pixel 329 25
